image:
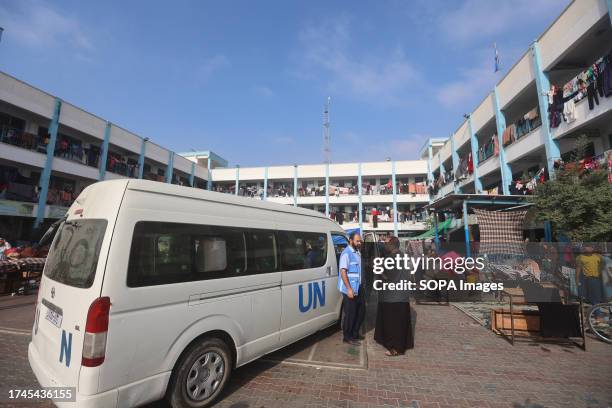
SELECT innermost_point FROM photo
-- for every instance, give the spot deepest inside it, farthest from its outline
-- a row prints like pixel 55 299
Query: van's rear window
pixel 74 253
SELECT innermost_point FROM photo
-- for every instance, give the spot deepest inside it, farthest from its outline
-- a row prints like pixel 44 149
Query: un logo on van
pixel 316 294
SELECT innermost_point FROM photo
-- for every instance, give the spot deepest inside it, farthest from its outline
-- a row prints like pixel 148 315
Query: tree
pixel 578 202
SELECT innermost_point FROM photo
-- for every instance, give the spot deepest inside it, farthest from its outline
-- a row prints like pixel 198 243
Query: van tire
pixel 203 359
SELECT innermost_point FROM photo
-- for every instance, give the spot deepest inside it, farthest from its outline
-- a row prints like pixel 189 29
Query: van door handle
pixel 329 271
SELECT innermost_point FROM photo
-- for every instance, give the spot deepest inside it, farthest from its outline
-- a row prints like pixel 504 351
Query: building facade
pixel 512 138
pixel 50 149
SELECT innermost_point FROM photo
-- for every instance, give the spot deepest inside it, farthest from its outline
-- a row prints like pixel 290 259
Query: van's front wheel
pixel 201 374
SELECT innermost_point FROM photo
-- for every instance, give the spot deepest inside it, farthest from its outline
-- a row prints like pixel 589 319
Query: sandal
pixel 391 353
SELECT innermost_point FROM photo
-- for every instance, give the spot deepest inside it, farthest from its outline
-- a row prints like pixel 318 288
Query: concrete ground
pixel 456 363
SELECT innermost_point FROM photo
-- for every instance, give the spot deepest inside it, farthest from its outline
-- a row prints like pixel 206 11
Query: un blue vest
pixel 353 273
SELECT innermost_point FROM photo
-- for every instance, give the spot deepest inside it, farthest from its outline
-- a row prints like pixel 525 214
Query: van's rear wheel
pixel 201 374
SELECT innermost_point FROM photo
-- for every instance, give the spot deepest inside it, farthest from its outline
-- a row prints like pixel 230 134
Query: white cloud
pixel 210 66
pixel 325 54
pixel 37 25
pixel 263 90
pixel 476 81
pixel 475 19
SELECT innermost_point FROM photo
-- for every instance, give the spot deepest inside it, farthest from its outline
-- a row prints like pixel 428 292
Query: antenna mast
pixel 326 138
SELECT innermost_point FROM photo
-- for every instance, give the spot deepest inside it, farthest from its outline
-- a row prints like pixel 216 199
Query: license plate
pixel 54 318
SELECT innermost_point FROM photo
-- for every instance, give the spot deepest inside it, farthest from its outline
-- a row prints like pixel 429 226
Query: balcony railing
pixel 23 139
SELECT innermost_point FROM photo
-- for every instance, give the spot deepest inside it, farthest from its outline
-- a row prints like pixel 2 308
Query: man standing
pixel 589 266
pixel 350 285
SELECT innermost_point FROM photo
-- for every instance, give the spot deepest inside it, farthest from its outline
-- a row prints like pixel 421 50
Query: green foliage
pixel 578 204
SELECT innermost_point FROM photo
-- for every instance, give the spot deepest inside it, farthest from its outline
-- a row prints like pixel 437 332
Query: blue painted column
pixel 141 158
pixel 104 155
pixel 359 189
pixel 45 176
pixel 209 175
pixel 504 167
pixel 466 229
pixel 327 189
pixel 265 193
pixel 474 146
pixel 295 184
pixel 170 168
pixel 547 231
pixel 437 231
pixel 442 168
pixel 543 86
pixel 394 198
pixel 429 169
pixel 192 174
pixel 237 179
pixel 455 157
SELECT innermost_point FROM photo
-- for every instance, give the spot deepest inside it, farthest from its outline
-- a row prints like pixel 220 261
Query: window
pixel 74 253
pixel 302 250
pixel 165 253
pixel 340 243
pixel 261 251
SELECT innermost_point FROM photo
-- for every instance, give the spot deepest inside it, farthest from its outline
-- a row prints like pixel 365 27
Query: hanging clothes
pixel 569 111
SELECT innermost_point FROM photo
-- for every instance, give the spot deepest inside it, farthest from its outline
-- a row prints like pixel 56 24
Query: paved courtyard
pixel 456 363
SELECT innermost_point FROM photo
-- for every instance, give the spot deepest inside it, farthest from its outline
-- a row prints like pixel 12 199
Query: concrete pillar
pixel 104 153
pixel 209 175
pixel 45 176
pixel 455 157
pixel 237 185
pixel 474 146
pixel 359 189
pixel 442 168
pixel 394 198
pixel 543 86
pixel 141 158
pixel 429 169
pixel 170 168
pixel 192 175
pixel 327 189
pixel 504 167
pixel 265 186
pixel 466 230
pixel 295 184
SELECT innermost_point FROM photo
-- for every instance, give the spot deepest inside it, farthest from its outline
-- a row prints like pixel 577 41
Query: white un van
pixel 154 290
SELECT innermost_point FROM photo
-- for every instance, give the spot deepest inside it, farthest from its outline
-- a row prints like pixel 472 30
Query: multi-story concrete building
pixel 395 189
pixel 50 149
pixel 511 135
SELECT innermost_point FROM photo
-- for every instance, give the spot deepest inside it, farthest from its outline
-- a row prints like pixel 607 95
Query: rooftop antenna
pixel 326 138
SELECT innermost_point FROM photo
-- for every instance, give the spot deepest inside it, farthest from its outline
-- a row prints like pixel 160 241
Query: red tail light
pixel 96 328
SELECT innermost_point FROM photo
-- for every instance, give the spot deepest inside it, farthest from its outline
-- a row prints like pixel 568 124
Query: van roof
pixel 199 194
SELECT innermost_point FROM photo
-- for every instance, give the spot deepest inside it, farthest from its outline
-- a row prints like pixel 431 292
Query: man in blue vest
pixel 350 285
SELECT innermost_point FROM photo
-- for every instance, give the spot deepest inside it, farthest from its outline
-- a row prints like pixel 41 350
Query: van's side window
pixel 165 253
pixel 261 251
pixel 302 250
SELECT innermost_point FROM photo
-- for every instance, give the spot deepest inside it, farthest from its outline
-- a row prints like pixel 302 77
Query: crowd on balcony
pixel 593 83
pixel 21 138
pixel 121 165
pixel 15 186
pixel 75 150
pixel 374 216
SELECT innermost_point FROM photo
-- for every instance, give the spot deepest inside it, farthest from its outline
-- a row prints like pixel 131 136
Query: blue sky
pixel 248 79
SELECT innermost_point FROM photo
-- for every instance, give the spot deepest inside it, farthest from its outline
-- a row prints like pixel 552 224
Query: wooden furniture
pixel 525 320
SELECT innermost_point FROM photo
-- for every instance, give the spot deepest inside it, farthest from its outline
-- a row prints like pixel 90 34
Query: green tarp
pixel 432 232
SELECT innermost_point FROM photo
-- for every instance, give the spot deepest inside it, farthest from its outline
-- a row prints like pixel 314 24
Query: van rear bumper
pixel 105 399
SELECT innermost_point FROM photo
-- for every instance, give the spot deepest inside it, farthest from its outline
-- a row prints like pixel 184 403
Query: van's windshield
pixel 73 256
